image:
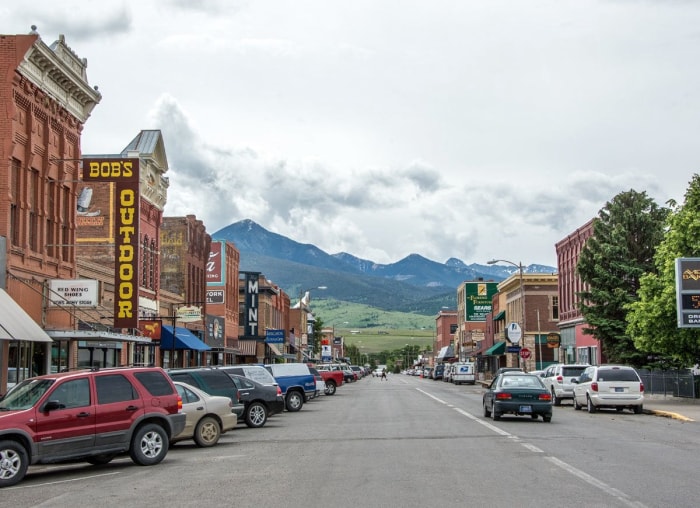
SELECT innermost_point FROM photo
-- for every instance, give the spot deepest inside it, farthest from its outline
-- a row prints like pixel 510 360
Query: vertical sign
pixel 215 331
pixel 688 292
pixel 125 174
pixel 478 299
pixel 250 325
pixel 215 264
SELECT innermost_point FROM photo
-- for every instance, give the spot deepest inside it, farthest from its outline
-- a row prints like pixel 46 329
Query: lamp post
pixel 301 318
pixel 519 266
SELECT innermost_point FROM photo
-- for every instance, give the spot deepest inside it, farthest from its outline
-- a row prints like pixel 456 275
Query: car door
pixel 67 430
pixel 119 405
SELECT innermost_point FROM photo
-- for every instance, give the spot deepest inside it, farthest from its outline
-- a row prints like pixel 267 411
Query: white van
pixel 463 372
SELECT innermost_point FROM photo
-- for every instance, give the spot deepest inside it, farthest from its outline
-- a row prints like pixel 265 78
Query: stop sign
pixel 524 353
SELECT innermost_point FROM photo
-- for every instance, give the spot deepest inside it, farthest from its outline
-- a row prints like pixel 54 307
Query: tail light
pixel 560 379
pixel 545 396
pixel 641 387
pixel 279 390
pixel 504 396
pixel 230 403
pixel 179 404
pixel 594 386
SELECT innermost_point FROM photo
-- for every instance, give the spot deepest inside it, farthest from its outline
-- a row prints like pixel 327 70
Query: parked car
pixel 332 378
pixel 320 383
pixel 464 372
pixel 517 393
pixel 359 371
pixel 447 373
pixel 260 401
pixel 557 378
pixel 611 386
pixel 257 373
pixel 211 381
pixel 296 381
pixel 207 416
pixel 438 371
pixel 90 415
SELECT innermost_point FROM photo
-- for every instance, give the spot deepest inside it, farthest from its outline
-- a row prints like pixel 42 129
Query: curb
pixel 668 414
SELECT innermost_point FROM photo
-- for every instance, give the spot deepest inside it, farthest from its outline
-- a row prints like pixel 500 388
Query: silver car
pixel 613 386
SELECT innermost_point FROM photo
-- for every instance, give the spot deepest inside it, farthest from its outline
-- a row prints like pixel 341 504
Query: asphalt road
pixel 405 442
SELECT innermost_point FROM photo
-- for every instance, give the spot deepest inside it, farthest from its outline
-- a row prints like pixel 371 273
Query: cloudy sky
pixel 448 128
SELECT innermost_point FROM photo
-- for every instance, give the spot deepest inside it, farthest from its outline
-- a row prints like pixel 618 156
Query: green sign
pixel 478 297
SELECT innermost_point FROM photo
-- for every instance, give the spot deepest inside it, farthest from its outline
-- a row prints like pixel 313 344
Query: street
pixel 403 442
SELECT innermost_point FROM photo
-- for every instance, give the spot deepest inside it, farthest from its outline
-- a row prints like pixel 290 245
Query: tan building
pixel 45 102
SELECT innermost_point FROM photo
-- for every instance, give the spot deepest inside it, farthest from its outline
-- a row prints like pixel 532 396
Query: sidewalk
pixel 679 408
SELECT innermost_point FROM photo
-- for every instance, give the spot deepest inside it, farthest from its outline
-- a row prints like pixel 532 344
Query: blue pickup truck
pixel 296 382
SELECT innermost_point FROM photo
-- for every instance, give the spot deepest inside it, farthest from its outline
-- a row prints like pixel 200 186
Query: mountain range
pixel 413 284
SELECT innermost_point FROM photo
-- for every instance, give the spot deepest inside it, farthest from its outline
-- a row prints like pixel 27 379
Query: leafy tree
pixel 626 233
pixel 653 318
pixel 316 334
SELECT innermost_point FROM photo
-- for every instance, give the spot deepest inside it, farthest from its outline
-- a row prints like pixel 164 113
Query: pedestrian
pixel 384 374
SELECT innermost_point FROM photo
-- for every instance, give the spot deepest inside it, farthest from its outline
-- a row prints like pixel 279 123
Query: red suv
pixel 91 415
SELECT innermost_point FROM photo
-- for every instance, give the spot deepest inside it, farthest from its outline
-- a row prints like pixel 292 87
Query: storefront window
pixel 59 356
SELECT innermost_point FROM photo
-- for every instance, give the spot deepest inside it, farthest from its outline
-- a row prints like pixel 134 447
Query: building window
pixel 65 225
pixel 14 202
pixel 33 206
pixel 152 266
pixel 555 308
pixel 51 215
pixel 144 262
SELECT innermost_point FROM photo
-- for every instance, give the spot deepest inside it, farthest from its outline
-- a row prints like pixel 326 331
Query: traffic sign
pixel 514 333
pixel 524 353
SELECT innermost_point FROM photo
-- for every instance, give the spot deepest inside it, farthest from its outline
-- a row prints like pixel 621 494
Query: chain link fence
pixel 676 383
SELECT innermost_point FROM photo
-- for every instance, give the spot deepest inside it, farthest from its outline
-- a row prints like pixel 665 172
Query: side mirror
pixel 53 405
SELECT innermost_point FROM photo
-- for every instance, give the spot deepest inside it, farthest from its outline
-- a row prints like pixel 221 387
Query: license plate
pixel 526 409
pixel 617 390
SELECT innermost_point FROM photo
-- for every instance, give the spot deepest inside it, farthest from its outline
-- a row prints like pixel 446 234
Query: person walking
pixel 384 375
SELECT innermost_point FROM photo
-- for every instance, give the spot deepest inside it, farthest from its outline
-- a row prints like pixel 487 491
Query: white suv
pixel 557 378
pixel 615 386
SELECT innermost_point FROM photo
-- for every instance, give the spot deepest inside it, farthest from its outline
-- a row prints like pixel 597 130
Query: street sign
pixel 525 353
pixel 274 336
pixel 514 333
pixel 512 349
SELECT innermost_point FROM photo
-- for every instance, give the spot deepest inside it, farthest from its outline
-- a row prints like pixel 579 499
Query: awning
pixel 248 347
pixel 184 339
pixel 500 315
pixel 15 324
pixel 497 349
pixel 274 350
pixel 96 335
pixel 446 352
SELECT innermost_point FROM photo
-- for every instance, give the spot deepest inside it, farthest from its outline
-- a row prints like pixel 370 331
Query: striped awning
pixel 248 347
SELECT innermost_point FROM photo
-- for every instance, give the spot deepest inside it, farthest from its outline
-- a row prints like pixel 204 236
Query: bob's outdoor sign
pixel 125 174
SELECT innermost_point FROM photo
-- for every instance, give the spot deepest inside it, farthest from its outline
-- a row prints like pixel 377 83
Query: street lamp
pixel 301 318
pixel 519 266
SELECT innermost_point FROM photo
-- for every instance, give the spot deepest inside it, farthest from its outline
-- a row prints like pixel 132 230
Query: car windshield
pixel 25 394
pixel 572 371
pixel 515 381
pixel 617 375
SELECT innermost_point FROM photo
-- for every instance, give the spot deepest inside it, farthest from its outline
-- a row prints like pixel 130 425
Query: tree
pixel 652 319
pixel 626 233
pixel 316 334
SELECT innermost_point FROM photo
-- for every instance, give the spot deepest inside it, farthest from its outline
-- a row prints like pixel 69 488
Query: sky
pixel 468 129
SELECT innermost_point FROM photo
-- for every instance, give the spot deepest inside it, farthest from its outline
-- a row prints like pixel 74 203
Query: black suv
pixel 91 415
pixel 213 382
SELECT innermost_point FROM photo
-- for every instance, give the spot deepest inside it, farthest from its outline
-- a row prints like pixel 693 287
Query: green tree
pixel 626 233
pixel 652 319
pixel 316 334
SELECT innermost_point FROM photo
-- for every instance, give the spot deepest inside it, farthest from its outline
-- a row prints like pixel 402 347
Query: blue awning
pixel 184 339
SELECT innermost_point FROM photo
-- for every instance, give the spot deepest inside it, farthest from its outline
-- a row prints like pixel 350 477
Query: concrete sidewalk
pixel 679 408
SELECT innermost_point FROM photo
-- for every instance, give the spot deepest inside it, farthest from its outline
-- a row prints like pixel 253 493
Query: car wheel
pixel 547 418
pixel 101 459
pixel 294 401
pixel 555 400
pixel 13 463
pixel 207 432
pixel 577 406
pixel 487 413
pixel 589 405
pixel 638 409
pixel 256 416
pixel 494 415
pixel 619 409
pixel 330 388
pixel 149 445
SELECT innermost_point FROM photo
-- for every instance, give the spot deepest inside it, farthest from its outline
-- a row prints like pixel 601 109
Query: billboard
pixel 215 331
pixel 216 266
pixel 478 297
pixel 73 293
pixel 688 292
pixel 124 173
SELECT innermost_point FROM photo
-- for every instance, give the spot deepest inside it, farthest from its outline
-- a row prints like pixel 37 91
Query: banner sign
pixel 250 316
pixel 125 174
pixel 215 326
pixel 478 297
pixel 73 293
pixel 151 329
pixel 274 336
pixel 215 296
pixel 688 292
pixel 215 264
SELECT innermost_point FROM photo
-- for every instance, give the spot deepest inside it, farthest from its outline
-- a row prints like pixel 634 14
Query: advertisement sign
pixel 151 329
pixel 73 293
pixel 215 264
pixel 189 314
pixel 478 299
pixel 250 314
pixel 215 326
pixel 215 296
pixel 688 292
pixel 274 336
pixel 127 200
pixel 553 339
pixel 326 354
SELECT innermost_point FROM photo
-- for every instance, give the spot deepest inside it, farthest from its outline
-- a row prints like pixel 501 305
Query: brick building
pixel 45 102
